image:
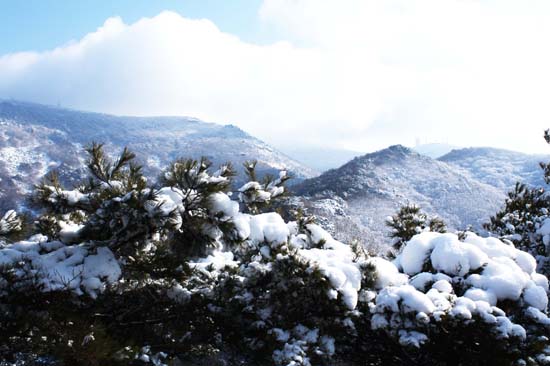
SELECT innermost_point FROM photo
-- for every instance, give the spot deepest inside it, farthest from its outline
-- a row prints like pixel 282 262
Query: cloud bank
pixel 356 74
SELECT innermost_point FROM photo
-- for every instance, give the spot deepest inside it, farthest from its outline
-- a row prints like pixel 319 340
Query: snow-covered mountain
pixel 498 167
pixel 371 187
pixel 36 138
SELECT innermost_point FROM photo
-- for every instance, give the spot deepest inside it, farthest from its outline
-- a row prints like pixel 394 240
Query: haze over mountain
pixel 321 158
pixel 35 139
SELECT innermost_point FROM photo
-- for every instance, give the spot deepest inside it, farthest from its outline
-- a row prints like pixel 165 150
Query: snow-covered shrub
pixel 123 272
pixel 408 222
pixel 116 247
pixel 525 220
pixel 465 300
pixel 295 292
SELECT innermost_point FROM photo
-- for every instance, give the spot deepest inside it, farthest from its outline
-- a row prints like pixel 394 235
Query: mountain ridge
pixel 501 168
pixel 375 185
pixel 35 139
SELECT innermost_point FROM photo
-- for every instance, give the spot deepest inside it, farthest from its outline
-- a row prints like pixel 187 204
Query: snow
pixel 446 253
pixel 328 344
pixel 253 192
pixel 221 202
pixel 404 297
pixel 72 198
pixel 536 297
pixel 443 286
pixel 412 338
pixel 242 225
pixel 13 157
pixel 9 222
pixel 436 277
pixel 477 294
pixel 280 335
pixel 422 280
pixel 526 262
pixel 69 231
pixel 60 266
pixel 337 266
pixel 545 228
pixel 387 273
pixel 98 269
pixel 486 269
pixel 217 261
pixel 454 257
pixel 538 316
pixel 503 277
pixel 416 252
pixel 540 280
pixel 269 227
pixel 505 270
pixel 169 199
pixel 507 329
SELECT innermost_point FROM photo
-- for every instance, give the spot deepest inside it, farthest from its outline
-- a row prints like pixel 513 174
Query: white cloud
pixel 358 73
pixel 470 72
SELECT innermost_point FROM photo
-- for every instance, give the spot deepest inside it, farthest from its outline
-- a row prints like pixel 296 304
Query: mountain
pixel 320 159
pixel 374 186
pixel 498 167
pixel 434 150
pixel 35 139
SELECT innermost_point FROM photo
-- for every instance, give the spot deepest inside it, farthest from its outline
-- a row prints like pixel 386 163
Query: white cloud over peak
pixel 358 74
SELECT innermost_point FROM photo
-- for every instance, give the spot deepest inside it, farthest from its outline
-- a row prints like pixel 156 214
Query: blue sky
pixel 40 25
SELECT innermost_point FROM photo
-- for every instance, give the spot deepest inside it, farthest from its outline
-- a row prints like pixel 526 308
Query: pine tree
pixel 121 271
pixel 526 211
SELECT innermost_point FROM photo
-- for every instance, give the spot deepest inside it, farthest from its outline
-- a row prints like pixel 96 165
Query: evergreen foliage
pixel 525 219
pixel 123 271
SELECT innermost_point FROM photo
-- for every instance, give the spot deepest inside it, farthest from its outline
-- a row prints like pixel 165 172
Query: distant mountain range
pixel 375 185
pixel 36 138
pixel 497 167
pixel 462 186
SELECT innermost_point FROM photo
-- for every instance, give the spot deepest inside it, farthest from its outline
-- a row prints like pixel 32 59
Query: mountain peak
pixel 399 148
pixel 375 185
pixel 394 153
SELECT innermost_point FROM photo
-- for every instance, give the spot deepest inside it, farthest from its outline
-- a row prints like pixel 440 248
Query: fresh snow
pixel 436 277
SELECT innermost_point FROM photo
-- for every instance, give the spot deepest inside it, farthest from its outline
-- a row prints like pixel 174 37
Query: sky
pixel 347 74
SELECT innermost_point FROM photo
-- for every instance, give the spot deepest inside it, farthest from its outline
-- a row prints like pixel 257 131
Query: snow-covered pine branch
pixel 131 273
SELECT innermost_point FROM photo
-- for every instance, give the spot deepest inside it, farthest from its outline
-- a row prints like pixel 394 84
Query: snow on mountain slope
pixel 498 167
pixel 36 138
pixel 375 185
